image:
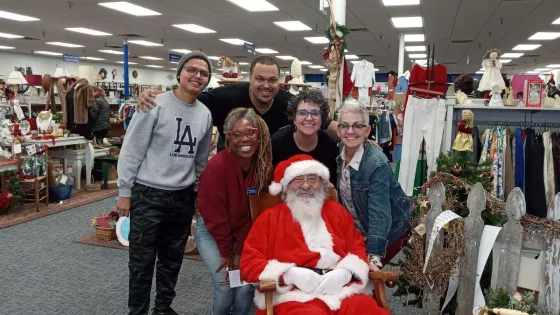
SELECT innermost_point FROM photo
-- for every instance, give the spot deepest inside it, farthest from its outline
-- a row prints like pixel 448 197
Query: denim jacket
pixel 381 205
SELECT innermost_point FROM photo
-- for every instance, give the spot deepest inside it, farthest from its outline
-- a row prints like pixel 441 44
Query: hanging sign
pixel 174 57
pixel 249 48
pixel 71 58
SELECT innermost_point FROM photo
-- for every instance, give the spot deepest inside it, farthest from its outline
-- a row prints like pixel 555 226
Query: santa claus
pixel 309 246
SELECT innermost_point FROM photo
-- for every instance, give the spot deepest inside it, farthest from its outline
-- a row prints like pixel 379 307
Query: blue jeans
pixel 225 300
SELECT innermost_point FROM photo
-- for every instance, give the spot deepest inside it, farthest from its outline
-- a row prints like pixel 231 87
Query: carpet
pixel 91 240
pixel 28 211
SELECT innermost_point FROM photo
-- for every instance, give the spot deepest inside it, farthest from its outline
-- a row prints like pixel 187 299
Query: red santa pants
pixel 359 304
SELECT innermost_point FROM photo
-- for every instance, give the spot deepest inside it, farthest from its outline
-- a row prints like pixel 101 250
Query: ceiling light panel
pixel 194 28
pixel 109 51
pixel 16 17
pixel 254 5
pixel 87 31
pixel 305 63
pixel 415 48
pixel 50 53
pixel 556 21
pixel 64 44
pixel 92 58
pixel 543 69
pixel 351 57
pixel 391 3
pixel 266 51
pixel 11 36
pixel 533 72
pixel 213 57
pixel 316 67
pixel 317 40
pixel 324 70
pixel 545 36
pixel 6 47
pixel 553 66
pixel 526 47
pixel 480 72
pixel 293 26
pixel 512 55
pixel 243 63
pixel 286 57
pixel 407 22
pixel 234 41
pixel 144 43
pixel 130 63
pixel 151 58
pixel 154 66
pixel 414 38
pixel 414 56
pixel 181 51
pixel 504 61
pixel 355 61
pixel 423 61
pixel 129 8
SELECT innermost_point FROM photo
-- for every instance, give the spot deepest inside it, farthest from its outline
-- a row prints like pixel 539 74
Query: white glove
pixel 304 279
pixel 334 281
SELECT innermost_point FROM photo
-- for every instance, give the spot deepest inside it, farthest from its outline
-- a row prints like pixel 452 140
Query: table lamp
pixel 15 79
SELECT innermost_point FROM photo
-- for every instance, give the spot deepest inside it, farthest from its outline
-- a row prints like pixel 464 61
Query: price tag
pixel 17 148
pixel 31 149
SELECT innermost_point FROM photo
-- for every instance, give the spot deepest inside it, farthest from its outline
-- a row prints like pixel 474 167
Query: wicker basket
pixel 93 187
pixel 105 234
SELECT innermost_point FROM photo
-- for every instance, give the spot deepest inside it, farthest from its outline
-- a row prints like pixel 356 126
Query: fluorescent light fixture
pixel 407 22
pixel 144 43
pixel 213 57
pixel 172 68
pixel 512 55
pixel 557 21
pixel 243 63
pixel 130 63
pixel 154 66
pixel 345 50
pixel 317 40
pixel 504 61
pixel 351 57
pixel 480 72
pixel 414 56
pixel 194 28
pixel 254 5
pixel 6 47
pixel 109 51
pixel 526 47
pixel 11 36
pixel 553 66
pixel 65 44
pixel 87 31
pixel 316 67
pixel 286 57
pixel 266 51
pixel 234 41
pixel 151 58
pixel 175 62
pixel 293 26
pixel 482 69
pixel 324 70
pixel 545 36
pixel 421 61
pixel 415 48
pixel 244 72
pixel 414 38
pixel 355 61
pixel 543 69
pixel 305 63
pixel 181 51
pixel 50 53
pixel 129 8
pixel 375 69
pixel 16 17
pixel 390 3
pixel 532 72
pixel 92 58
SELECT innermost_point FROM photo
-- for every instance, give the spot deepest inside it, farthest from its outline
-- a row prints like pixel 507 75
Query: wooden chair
pixel 36 194
pixel 259 203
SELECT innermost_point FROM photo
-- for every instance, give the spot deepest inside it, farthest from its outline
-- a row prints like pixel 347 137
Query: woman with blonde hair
pixel 242 169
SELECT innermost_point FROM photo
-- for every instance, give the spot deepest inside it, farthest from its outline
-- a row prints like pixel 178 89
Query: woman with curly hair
pixel 308 111
pixel 243 168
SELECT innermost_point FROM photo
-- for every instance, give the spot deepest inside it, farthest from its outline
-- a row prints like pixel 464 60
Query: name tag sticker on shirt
pixel 251 191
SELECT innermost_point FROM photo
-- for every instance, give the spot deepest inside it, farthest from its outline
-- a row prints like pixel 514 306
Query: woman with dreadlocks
pixel 242 169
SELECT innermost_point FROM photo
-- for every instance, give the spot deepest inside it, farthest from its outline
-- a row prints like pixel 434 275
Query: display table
pixel 77 156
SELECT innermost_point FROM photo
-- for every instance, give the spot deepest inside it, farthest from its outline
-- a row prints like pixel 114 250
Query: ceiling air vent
pixel 239 57
pixel 450 62
pixel 357 30
pixel 129 35
pixel 531 56
pixel 461 41
pixel 28 38
pixel 365 56
pixel 510 65
pixel 113 46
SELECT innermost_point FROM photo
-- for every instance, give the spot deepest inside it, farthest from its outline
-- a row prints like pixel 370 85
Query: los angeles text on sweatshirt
pixel 166 147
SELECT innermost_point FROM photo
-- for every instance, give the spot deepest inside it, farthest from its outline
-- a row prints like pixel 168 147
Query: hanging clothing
pixel 548 169
pixel 509 177
pixel 402 85
pixel 418 75
pixel 363 74
pixel 425 121
pixel 384 128
pixel 391 84
pixel 477 145
pixel 556 160
pixel 519 159
pixel 535 196
pixel 497 165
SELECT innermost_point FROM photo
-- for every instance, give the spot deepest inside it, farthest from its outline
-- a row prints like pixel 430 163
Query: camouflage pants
pixel 160 223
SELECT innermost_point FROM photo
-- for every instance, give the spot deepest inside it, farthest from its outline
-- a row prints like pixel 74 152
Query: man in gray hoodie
pixel 162 156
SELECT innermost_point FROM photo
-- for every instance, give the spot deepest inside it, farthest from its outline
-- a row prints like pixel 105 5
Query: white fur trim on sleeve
pixel 356 266
pixel 275 188
pixel 303 168
pixel 273 270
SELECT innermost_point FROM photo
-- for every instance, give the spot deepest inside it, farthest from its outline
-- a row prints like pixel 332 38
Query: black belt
pixel 319 271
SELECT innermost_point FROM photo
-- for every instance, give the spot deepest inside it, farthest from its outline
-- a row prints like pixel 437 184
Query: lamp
pixel 14 80
pixel 86 72
pixel 61 72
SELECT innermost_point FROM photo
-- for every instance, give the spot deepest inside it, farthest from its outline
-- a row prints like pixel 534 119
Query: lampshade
pixel 86 72
pixel 61 72
pixel 16 77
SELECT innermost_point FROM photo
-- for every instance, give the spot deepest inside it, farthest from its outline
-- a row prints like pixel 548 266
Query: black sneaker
pixel 169 312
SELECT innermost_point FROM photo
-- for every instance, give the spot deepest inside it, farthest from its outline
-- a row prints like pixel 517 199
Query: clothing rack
pixel 517 124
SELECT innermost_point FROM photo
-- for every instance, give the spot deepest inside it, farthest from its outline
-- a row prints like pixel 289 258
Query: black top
pixel 284 146
pixel 220 101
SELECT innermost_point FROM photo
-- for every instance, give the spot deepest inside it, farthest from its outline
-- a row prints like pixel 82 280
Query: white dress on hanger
pixel 491 74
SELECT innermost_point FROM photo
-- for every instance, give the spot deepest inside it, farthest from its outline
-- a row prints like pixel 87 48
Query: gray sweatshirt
pixel 167 147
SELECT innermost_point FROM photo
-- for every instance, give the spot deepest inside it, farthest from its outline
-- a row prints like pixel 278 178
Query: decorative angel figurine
pixel 496 96
pixel 492 74
pixel 510 92
pixel 462 98
pixel 464 139
pixel 230 69
pixel 297 74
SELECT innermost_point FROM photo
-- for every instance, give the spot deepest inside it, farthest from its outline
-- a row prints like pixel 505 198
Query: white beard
pixel 305 209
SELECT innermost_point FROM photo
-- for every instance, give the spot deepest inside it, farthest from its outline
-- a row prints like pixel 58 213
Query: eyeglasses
pixel 310 179
pixel 193 71
pixel 344 127
pixel 304 113
pixel 237 134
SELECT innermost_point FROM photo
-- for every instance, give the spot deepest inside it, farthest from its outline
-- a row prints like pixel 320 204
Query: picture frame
pixel 144 88
pixel 532 93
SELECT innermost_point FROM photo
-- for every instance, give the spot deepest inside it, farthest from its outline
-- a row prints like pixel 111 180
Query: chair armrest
pixel 380 280
pixel 267 287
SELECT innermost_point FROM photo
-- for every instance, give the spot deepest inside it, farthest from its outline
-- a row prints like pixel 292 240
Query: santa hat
pixel 297 165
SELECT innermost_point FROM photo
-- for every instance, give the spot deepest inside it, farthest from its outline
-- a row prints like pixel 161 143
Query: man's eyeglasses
pixel 304 113
pixel 310 179
pixel 237 134
pixel 356 127
pixel 193 71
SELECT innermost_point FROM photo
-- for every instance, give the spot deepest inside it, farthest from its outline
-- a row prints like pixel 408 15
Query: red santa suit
pixel 277 243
